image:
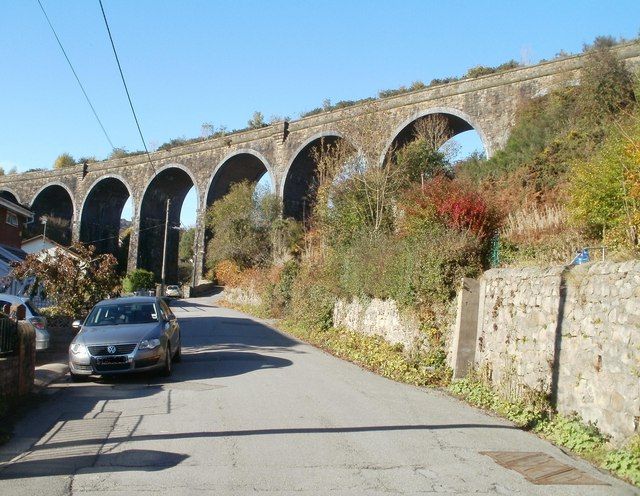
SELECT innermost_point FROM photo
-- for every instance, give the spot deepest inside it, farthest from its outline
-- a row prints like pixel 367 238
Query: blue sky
pixel 190 62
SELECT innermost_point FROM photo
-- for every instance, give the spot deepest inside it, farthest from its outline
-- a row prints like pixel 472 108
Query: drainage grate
pixel 540 468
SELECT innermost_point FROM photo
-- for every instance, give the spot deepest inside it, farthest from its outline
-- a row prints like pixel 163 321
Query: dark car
pixel 134 334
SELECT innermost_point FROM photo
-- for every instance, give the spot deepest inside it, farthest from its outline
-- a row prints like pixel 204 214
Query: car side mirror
pixel 76 325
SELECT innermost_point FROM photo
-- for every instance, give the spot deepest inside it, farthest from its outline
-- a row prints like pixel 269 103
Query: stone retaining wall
pixel 571 331
pixel 379 318
pixel 240 296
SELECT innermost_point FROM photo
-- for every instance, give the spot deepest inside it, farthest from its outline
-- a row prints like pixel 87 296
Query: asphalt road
pixel 251 410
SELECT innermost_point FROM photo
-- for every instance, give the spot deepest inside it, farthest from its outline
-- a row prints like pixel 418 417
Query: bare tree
pixel 434 129
pixel 379 183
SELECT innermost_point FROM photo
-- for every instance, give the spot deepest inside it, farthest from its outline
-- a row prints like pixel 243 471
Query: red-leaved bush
pixel 455 203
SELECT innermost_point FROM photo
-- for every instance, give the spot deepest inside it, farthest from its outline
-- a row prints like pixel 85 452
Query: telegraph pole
pixel 195 254
pixel 164 247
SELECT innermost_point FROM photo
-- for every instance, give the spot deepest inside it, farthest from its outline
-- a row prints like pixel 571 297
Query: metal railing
pixel 8 335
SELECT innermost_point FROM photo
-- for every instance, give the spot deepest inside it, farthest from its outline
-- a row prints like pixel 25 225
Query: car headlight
pixel 149 344
pixel 78 348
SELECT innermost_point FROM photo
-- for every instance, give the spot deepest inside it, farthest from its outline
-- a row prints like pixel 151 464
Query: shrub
pixel 281 292
pixel 420 160
pixel 376 354
pixel 139 279
pixel 457 204
pixel 574 434
pixel 606 84
pixel 604 190
pixel 236 235
pixel 76 282
pixel 312 297
pixel 247 228
pixel 228 273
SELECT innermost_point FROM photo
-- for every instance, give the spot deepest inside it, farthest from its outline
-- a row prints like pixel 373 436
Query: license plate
pixel 111 360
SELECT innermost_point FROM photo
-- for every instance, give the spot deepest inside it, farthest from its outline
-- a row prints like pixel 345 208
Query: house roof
pixel 41 238
pixel 14 207
pixel 8 255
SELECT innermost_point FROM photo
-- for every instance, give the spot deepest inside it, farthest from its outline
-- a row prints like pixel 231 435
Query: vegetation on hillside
pixel 568 177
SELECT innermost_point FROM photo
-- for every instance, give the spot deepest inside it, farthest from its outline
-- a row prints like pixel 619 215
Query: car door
pixel 170 320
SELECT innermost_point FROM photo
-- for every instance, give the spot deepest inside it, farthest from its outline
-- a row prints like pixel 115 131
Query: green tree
pixel 236 234
pixel 64 160
pixel 419 160
pixel 138 279
pixel 605 190
pixel 185 247
pixel 248 229
pixel 76 279
pixel 606 84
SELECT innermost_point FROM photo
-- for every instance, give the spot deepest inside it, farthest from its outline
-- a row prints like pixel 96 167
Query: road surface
pixel 250 410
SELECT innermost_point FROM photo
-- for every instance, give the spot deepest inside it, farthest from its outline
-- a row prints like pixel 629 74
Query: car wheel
pixel 177 357
pixel 78 377
pixel 166 371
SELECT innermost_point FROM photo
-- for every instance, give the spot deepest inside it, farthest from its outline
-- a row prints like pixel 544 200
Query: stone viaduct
pixel 92 199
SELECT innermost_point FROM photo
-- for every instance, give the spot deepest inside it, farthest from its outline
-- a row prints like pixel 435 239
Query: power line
pixel 135 117
pixel 75 74
pixel 160 225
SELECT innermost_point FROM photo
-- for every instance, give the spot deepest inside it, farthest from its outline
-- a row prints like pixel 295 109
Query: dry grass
pixel 533 223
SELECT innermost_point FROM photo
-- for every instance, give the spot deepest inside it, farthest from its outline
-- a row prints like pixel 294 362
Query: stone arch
pixel 297 189
pixel 9 194
pixel 56 202
pixel 458 121
pixel 100 214
pixel 171 182
pixel 240 165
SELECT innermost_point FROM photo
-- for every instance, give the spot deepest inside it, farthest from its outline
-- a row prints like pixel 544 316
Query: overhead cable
pixel 75 74
pixel 126 89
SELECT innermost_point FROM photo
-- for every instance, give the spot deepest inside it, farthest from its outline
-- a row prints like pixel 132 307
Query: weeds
pixel 532 411
pixel 375 354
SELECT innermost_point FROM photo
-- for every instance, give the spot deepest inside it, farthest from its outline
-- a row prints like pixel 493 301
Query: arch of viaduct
pixel 92 199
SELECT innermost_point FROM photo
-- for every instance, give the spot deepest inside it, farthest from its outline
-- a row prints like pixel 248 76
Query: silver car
pixel 173 291
pixel 134 334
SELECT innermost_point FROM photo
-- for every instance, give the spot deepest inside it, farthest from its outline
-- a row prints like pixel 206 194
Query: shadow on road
pixel 135 459
pixel 283 431
pixel 186 304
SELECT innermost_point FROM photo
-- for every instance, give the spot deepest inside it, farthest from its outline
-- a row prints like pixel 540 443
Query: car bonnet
pixel 118 334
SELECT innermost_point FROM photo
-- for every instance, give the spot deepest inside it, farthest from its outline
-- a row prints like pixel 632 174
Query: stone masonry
pixel 573 332
pixel 378 318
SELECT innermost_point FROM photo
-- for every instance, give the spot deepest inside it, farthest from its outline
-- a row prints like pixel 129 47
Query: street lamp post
pixel 44 220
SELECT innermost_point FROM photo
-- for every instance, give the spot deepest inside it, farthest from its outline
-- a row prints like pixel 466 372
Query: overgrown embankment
pixel 568 178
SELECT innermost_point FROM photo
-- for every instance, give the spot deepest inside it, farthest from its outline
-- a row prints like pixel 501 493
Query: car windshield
pixel 122 313
pixel 33 309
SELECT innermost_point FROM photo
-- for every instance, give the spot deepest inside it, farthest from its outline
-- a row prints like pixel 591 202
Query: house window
pixel 12 219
